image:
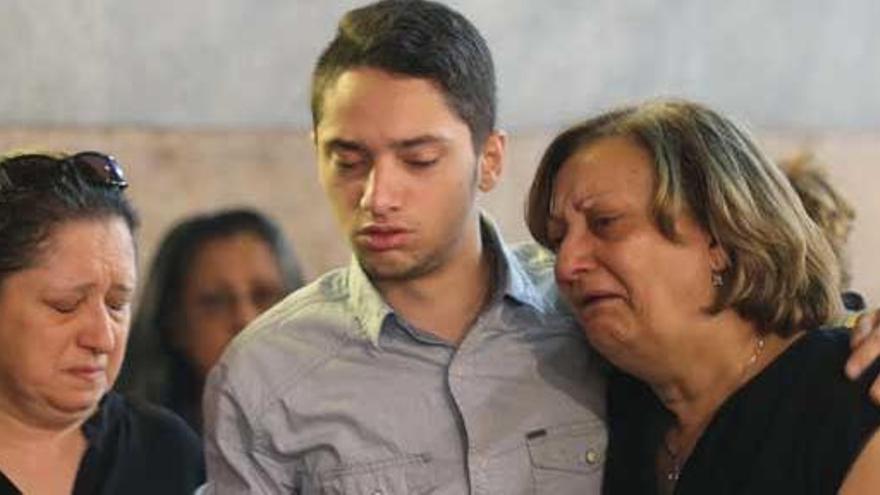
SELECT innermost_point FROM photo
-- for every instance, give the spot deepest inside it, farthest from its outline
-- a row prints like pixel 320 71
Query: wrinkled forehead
pixel 566 195
pixel 611 166
pixel 97 252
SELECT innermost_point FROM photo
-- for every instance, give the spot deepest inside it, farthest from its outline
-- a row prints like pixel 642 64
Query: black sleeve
pixel 849 420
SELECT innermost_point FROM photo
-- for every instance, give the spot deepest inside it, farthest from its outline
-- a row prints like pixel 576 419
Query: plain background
pixel 206 101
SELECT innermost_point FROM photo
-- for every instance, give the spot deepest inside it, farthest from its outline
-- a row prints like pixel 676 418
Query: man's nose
pixel 381 193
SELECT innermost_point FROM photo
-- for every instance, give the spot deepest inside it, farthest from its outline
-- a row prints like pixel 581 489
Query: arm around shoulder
pixel 865 341
pixel 864 476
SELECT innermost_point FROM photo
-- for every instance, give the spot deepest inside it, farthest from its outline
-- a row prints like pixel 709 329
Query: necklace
pixel 672 474
pixel 674 454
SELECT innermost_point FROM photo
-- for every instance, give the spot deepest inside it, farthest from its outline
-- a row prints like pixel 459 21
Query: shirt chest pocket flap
pixel 574 448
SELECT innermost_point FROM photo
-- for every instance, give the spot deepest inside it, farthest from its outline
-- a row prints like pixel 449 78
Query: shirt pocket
pixel 568 458
pixel 407 474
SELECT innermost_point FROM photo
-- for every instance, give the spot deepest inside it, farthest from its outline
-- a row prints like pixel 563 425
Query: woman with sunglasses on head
pixel 693 268
pixel 67 277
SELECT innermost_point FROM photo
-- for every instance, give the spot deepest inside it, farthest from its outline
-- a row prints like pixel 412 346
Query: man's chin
pixel 388 266
pixel 386 272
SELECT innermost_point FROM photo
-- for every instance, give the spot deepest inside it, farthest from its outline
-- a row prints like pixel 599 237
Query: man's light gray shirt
pixel 332 392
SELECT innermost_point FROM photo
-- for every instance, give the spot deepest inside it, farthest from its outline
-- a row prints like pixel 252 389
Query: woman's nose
pixel 99 331
pixel 244 312
pixel 575 256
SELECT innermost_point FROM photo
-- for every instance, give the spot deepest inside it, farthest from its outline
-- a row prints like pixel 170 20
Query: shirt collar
pixel 520 268
pixel 511 272
pixel 370 309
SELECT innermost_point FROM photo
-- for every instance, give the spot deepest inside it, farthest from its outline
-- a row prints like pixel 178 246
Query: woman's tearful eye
pixel 605 225
pixel 554 239
pixel 118 304
pixel 64 305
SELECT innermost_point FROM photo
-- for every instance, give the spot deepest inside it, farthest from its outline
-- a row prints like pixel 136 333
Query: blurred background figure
pixel 831 211
pixel 211 276
pixel 67 278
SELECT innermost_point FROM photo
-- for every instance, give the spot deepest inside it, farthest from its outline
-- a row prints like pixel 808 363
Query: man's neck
pixel 447 301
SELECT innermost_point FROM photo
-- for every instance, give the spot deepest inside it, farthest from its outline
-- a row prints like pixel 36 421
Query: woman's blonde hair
pixel 781 274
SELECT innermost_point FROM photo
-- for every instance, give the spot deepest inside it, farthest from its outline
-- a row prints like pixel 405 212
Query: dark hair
pixel 156 370
pixel 421 39
pixel 53 195
pixel 782 273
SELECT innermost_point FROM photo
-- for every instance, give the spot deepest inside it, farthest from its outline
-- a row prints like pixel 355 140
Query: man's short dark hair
pixel 420 39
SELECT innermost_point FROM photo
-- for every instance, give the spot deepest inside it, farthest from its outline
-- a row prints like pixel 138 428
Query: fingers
pixel 875 392
pixel 866 347
pixel 864 324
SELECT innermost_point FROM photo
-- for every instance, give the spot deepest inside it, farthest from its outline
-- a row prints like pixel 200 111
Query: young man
pixel 438 361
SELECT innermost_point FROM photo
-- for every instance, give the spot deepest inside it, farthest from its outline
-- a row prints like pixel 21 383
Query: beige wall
pixel 174 173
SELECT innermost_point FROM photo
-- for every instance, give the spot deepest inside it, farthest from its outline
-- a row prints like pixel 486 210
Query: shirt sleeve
pixel 237 456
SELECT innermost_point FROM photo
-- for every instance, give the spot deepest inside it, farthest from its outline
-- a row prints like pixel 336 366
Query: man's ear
pixel 492 160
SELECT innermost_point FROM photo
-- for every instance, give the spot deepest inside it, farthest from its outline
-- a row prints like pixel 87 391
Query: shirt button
pixel 592 457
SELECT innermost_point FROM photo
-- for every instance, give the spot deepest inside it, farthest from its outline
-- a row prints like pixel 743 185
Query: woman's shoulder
pixel 826 339
pixel 144 428
pixel 152 447
pixel 823 352
pixel 834 412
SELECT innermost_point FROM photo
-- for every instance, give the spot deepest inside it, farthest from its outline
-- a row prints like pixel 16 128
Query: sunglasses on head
pixel 30 171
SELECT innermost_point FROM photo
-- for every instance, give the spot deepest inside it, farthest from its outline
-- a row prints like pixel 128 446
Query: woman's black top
pixel 135 448
pixel 796 427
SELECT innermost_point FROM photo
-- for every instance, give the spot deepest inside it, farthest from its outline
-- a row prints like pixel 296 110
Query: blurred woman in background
pixel 211 276
pixel 67 278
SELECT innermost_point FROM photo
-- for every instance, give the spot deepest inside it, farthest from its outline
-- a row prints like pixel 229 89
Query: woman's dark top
pixel 135 448
pixel 796 427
